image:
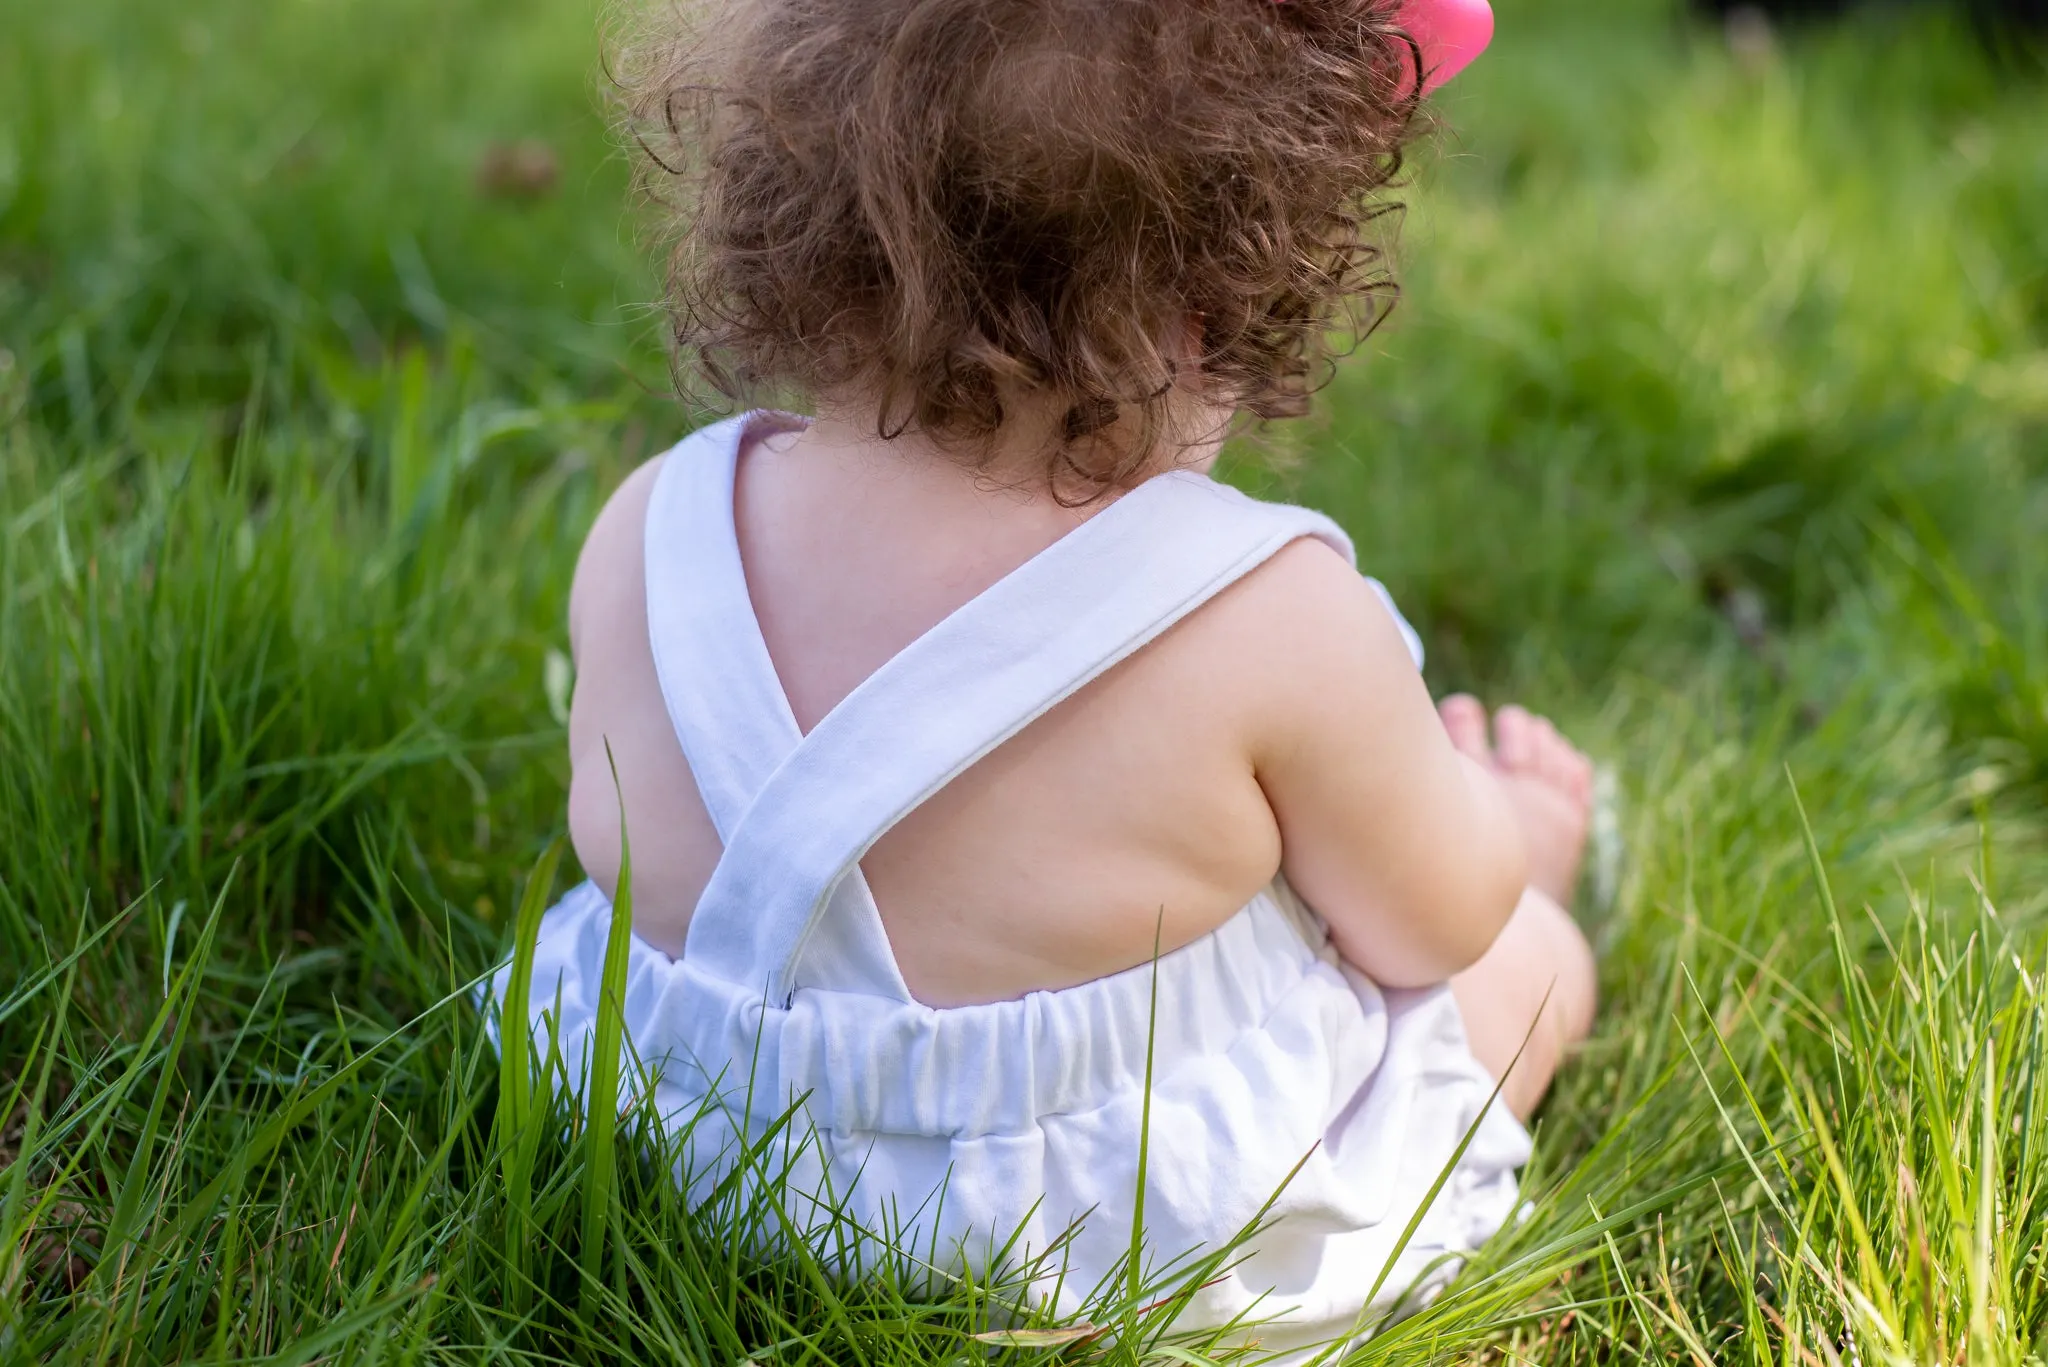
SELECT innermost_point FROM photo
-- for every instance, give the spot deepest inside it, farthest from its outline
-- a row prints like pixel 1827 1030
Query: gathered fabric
pixel 1286 1087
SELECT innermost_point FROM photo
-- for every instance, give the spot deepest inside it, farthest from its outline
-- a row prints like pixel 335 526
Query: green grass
pixel 1715 421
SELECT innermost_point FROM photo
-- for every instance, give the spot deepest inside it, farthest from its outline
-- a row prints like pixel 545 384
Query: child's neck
pixel 1011 461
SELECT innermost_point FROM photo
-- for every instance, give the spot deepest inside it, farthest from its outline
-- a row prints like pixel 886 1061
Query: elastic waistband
pixel 871 1064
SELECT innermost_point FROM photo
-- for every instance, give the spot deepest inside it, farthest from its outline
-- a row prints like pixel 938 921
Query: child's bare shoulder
pixel 619 725
pixel 608 583
pixel 1307 618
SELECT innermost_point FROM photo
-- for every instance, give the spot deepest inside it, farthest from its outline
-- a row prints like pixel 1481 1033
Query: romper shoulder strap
pixel 977 678
pixel 724 699
pixel 720 687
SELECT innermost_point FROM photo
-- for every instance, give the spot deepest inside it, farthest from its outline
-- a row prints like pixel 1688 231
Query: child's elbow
pixel 1484 917
pixel 1471 908
pixel 1488 886
pixel 1497 887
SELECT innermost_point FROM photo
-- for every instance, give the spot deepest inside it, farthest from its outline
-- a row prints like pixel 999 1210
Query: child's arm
pixel 617 714
pixel 1407 848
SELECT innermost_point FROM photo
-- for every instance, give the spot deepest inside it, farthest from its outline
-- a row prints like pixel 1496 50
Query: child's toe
pixel 1555 754
pixel 1514 736
pixel 1582 778
pixel 1465 719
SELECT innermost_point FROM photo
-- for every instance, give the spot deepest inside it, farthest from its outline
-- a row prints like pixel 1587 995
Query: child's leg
pixel 1539 953
pixel 1539 964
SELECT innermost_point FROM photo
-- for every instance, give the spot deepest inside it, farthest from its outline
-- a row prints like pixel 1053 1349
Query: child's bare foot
pixel 1548 782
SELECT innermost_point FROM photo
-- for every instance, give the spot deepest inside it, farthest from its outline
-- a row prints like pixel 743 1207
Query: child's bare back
pixel 1280 728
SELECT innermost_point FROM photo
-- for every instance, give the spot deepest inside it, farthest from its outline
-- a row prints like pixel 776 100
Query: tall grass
pixel 1714 420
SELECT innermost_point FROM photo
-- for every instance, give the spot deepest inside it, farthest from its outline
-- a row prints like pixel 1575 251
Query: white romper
pixel 1268 1051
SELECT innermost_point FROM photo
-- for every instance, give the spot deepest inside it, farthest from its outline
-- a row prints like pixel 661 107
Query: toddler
pixel 974 740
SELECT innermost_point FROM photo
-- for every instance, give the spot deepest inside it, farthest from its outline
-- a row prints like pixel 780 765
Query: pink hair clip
pixel 1449 32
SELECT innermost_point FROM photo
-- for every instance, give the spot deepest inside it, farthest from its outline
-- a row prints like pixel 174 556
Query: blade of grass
pixel 601 1086
pixel 516 1112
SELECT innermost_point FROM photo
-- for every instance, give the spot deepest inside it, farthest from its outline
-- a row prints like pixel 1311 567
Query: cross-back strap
pixel 977 678
pixel 722 693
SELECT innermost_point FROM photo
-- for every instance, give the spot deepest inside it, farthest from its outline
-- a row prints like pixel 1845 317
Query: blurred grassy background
pixel 1714 419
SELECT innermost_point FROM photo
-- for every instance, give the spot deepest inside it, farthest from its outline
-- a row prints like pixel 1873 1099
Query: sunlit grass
pixel 1715 420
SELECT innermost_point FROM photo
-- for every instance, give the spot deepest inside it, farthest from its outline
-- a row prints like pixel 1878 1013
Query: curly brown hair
pixel 941 205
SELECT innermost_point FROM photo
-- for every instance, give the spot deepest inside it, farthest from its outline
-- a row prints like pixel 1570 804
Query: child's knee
pixel 1570 979
pixel 1577 993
